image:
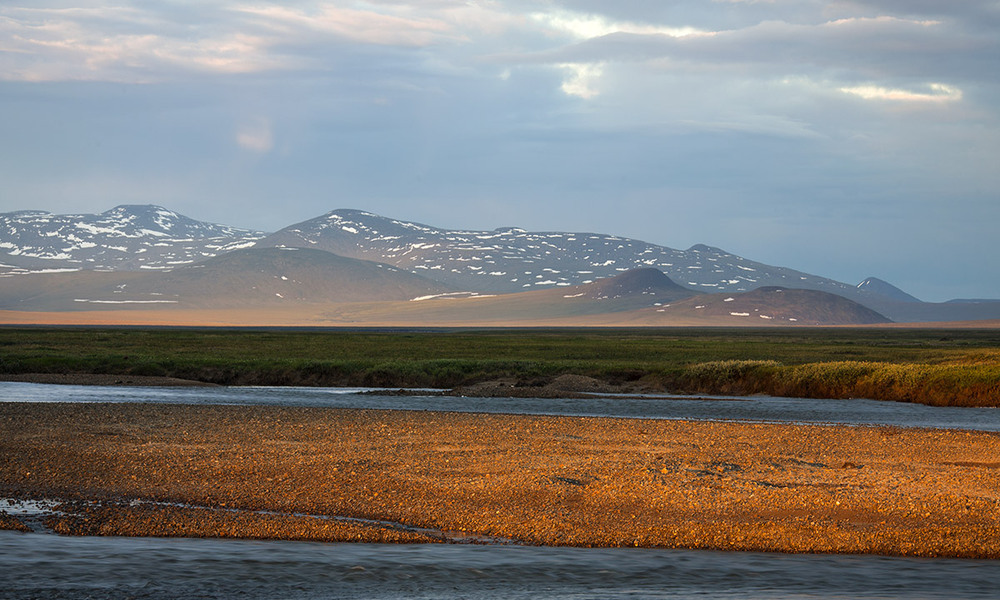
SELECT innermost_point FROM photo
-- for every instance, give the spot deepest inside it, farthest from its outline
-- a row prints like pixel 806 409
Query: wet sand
pixel 395 476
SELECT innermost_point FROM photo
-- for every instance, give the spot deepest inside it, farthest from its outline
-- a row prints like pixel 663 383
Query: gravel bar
pixel 397 476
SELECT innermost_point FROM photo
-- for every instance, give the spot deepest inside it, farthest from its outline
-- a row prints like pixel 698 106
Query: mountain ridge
pixel 512 259
pixel 133 237
pixel 504 260
pixel 126 237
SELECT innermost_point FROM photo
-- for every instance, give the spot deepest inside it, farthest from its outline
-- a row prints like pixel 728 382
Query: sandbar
pixel 411 476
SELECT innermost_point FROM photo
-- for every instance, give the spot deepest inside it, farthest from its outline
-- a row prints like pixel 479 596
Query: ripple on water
pixel 67 567
pixel 752 408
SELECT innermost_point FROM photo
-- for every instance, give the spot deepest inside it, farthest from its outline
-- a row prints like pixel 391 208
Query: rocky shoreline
pixel 397 476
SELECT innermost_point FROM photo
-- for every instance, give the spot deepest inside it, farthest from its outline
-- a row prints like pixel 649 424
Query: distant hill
pixel 243 278
pixel 637 283
pixel 643 297
pixel 774 306
pixel 930 312
pixel 623 293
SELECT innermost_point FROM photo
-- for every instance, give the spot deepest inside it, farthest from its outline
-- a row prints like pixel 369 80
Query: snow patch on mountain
pixel 511 259
pixel 501 260
pixel 128 237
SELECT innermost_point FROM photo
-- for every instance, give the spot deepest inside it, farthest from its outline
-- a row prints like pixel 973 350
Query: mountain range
pixel 123 238
pixel 351 266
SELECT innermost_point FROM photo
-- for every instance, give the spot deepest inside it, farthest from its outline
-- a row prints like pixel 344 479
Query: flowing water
pixel 752 408
pixel 48 566
pixel 38 565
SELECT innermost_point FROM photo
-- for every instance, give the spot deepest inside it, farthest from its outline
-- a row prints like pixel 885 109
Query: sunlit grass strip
pixel 955 384
pixel 958 368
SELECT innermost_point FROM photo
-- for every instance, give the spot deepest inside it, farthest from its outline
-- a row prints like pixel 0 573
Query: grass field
pixel 953 367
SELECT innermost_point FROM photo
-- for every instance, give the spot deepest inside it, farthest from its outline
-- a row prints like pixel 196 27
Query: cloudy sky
pixel 842 138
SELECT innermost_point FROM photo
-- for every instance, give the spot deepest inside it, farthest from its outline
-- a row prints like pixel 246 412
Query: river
pixel 49 566
pixel 752 408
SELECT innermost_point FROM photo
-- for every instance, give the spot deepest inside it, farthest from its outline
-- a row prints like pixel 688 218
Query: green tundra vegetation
pixel 938 367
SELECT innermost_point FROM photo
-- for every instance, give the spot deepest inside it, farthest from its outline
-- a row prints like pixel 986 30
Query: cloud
pixel 146 43
pixel 676 73
pixel 365 26
pixel 884 46
pixel 937 92
pixel 123 44
pixel 587 26
pixel 581 79
pixel 142 44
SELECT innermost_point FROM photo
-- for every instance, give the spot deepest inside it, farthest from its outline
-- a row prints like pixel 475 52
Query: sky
pixel 846 139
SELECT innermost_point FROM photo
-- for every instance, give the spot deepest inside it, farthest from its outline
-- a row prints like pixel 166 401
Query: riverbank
pixel 102 379
pixel 394 476
pixel 961 368
pixel 562 386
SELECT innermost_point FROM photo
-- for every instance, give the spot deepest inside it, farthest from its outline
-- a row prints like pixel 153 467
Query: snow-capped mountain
pixel 514 260
pixel 129 237
pixel 500 261
pixel 143 237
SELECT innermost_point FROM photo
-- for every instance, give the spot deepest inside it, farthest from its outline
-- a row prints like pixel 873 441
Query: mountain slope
pixel 634 284
pixel 511 260
pixel 884 291
pixel 589 305
pixel 642 288
pixel 638 288
pixel 258 277
pixel 775 306
pixel 128 237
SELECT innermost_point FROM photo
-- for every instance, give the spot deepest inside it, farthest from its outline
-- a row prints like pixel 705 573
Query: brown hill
pixel 591 305
pixel 261 277
pixel 640 288
pixel 772 306
pixel 314 287
pixel 635 284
